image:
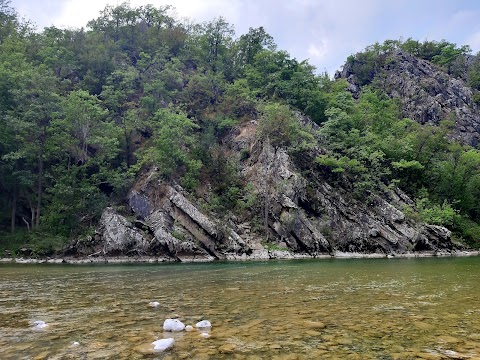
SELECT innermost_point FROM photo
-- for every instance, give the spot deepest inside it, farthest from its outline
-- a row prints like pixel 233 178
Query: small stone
pixel 203 324
pixel 42 356
pixel 75 343
pixel 189 328
pixel 173 325
pixel 227 348
pixel 153 304
pixel 449 339
pixel 314 324
pixel 163 344
pixel 205 335
pixel 39 324
pixel 423 325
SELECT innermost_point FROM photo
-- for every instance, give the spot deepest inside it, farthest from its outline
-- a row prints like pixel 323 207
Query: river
pixel 307 309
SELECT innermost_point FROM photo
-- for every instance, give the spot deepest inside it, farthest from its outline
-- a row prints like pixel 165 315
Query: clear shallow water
pixel 338 309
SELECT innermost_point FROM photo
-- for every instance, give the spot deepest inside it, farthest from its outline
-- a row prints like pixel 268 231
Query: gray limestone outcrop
pixel 297 214
pixel 426 93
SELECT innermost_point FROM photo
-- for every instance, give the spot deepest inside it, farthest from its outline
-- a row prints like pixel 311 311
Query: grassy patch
pixel 37 243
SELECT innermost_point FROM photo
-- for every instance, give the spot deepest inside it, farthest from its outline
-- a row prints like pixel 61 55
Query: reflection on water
pixel 339 309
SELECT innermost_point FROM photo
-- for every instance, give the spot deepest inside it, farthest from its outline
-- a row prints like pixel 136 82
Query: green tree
pixel 36 101
pixel 249 45
pixel 83 150
pixel 171 150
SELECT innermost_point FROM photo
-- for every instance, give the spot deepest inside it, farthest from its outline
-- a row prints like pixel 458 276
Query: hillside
pixel 427 93
pixel 145 136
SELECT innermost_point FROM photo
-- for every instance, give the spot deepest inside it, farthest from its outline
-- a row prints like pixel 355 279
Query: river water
pixel 324 309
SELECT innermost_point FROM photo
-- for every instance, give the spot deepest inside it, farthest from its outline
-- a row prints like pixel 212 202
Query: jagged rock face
pixel 427 94
pixel 119 235
pixel 312 217
pixel 167 212
pixel 305 215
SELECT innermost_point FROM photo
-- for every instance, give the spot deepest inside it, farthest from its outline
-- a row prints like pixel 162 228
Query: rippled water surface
pixel 326 309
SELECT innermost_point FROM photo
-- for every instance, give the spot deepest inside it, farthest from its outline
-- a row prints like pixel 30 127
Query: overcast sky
pixel 323 31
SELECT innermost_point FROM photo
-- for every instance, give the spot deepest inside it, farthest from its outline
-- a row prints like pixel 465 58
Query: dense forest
pixel 84 111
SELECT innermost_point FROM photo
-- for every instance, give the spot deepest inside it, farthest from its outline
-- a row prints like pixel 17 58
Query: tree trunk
pixel 26 222
pixel 40 178
pixel 32 212
pixel 127 146
pixel 14 210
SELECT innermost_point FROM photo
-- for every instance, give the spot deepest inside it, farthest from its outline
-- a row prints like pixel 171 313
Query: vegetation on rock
pixel 85 111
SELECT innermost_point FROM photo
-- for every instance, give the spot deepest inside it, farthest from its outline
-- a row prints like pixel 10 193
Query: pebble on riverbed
pixel 204 324
pixel 163 344
pixel 153 304
pixel 39 324
pixel 173 325
pixel 189 328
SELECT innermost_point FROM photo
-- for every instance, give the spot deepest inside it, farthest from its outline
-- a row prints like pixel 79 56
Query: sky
pixel 325 32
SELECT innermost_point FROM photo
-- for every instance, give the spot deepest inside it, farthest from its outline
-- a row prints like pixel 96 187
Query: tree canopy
pixel 83 111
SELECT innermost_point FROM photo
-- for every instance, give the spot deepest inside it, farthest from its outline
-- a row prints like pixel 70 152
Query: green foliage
pixel 84 110
pixel 468 231
pixel 371 148
pixel 37 243
pixel 365 65
pixel 278 125
pixel 437 214
pixel 341 165
pixel 476 98
pixel 249 45
pixel 173 137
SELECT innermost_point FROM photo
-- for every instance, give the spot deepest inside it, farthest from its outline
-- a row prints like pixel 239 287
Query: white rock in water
pixel 204 324
pixel 153 303
pixel 189 328
pixel 39 324
pixel 75 343
pixel 173 325
pixel 205 335
pixel 164 344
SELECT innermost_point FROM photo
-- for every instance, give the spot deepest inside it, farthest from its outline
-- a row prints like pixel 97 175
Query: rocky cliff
pixel 305 215
pixel 427 94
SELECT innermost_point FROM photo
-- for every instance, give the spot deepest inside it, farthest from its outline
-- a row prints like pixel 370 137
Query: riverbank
pixel 258 255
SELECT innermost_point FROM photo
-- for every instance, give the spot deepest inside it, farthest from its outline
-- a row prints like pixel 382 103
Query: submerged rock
pixel 203 324
pixel 153 304
pixel 173 325
pixel 227 348
pixel 163 344
pixel 314 325
pixel 39 324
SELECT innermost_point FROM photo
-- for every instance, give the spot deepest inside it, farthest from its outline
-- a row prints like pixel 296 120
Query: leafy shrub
pixel 436 214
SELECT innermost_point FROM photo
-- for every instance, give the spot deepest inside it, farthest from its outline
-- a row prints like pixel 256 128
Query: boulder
pixel 119 235
pixel 173 325
pixel 203 324
pixel 39 324
pixel 163 344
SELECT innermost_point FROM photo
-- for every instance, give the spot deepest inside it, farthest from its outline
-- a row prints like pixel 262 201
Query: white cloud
pixel 318 52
